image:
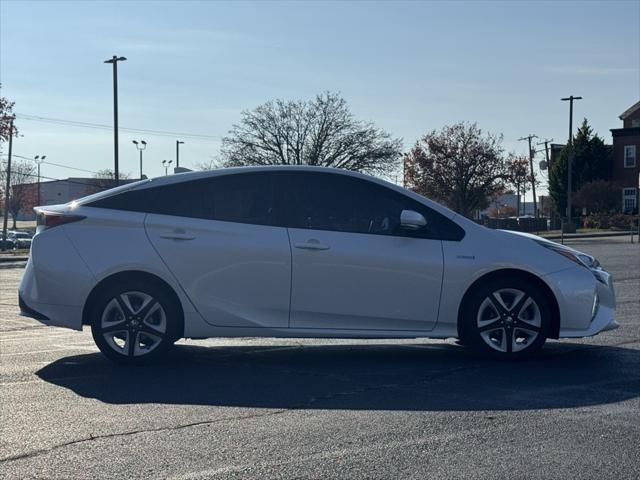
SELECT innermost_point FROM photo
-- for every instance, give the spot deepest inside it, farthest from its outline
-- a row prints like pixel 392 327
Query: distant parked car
pixel 21 240
pixel 10 244
pixel 300 252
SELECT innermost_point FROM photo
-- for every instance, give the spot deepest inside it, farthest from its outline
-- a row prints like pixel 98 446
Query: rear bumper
pixel 27 311
pixel 36 300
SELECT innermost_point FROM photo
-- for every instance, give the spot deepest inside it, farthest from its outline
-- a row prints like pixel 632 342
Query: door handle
pixel 177 235
pixel 312 244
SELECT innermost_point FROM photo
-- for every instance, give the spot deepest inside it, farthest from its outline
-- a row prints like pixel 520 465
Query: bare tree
pixel 22 191
pixel 104 179
pixel 460 166
pixel 320 132
pixel 211 164
pixel 6 116
pixel 519 175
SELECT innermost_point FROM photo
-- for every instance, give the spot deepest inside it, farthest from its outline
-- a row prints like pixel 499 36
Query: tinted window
pixel 346 204
pixel 243 198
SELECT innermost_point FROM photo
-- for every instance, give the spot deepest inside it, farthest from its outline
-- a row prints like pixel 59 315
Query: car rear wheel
pixel 506 318
pixel 134 322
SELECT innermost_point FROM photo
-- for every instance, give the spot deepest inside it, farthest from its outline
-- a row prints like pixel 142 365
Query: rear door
pixel 219 238
pixel 353 266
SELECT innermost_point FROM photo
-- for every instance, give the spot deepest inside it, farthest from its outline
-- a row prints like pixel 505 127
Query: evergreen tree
pixel 591 161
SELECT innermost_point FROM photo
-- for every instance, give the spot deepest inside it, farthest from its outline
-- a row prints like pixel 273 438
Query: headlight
pixel 579 258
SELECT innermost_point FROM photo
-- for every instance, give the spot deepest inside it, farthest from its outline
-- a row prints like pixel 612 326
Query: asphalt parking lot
pixel 256 408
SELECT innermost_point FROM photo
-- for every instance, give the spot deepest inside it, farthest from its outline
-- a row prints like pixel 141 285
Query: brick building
pixel 626 158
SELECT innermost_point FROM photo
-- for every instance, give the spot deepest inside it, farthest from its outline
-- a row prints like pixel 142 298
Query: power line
pixel 100 126
pixel 95 183
pixel 55 164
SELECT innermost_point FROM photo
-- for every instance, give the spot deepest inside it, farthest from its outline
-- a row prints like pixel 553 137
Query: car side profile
pixel 299 252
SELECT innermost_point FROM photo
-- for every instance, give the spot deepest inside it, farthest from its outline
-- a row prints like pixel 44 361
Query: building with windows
pixel 626 162
pixel 59 191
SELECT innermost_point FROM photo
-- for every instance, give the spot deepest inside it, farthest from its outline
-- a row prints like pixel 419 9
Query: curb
pixel 7 259
pixel 588 235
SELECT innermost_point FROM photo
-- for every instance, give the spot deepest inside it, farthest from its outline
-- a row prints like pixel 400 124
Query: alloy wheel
pixel 133 324
pixel 509 320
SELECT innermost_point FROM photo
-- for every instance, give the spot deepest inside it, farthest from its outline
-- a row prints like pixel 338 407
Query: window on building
pixel 635 122
pixel 629 156
pixel 629 200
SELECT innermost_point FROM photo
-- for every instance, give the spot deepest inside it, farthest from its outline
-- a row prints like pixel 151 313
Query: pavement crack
pixel 91 437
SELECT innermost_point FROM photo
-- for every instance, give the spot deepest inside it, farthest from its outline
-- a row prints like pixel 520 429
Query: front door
pixel 353 266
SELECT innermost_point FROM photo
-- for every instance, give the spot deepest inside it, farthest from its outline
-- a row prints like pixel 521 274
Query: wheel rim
pixel 509 320
pixel 133 324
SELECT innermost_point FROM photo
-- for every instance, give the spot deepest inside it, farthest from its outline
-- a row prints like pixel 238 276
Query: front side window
pixel 346 204
pixel 629 156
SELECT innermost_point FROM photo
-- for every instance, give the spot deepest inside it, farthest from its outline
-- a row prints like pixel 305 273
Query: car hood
pixel 543 240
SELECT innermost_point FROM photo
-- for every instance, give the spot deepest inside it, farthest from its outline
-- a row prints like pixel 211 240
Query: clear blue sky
pixel 409 67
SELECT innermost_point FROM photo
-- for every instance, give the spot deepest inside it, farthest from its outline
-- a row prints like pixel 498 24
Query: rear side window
pixel 345 204
pixel 242 198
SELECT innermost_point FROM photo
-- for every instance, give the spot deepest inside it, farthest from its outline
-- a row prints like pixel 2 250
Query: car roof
pixel 192 176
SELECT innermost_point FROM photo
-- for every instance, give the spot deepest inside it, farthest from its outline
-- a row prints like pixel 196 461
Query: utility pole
pixel 546 143
pixel 39 159
pixel 570 225
pixel 114 61
pixel 533 178
pixel 6 191
pixel 178 143
pixel 546 167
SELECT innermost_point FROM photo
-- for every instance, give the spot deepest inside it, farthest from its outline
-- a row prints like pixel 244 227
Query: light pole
pixel 140 146
pixel 178 143
pixel 39 159
pixel 114 61
pixel 166 164
pixel 570 160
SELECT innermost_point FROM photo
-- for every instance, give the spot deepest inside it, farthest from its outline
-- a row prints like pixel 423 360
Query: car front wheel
pixel 506 318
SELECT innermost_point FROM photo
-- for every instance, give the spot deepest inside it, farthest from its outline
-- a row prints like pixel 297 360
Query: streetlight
pixel 114 61
pixel 140 146
pixel 569 224
pixel 178 143
pixel 39 159
pixel 166 164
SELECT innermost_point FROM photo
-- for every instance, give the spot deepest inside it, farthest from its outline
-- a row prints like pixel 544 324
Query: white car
pixel 300 252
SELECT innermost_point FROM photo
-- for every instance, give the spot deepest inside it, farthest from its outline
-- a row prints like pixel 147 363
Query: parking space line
pixel 60 349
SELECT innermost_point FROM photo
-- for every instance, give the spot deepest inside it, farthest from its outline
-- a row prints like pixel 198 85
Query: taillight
pixel 53 219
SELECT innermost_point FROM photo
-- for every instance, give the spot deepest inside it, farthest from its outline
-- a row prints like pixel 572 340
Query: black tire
pixel 136 309
pixel 497 321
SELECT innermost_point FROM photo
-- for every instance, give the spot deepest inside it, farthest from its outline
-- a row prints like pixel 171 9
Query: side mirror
pixel 412 220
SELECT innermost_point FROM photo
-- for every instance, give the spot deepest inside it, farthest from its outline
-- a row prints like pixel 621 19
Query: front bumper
pixel 576 289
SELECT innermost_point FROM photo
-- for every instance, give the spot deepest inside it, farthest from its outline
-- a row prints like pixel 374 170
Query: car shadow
pixel 434 377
